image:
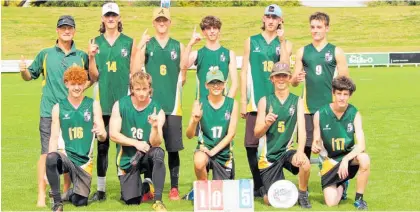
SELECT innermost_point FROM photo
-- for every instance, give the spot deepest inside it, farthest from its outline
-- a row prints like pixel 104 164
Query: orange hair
pixel 75 74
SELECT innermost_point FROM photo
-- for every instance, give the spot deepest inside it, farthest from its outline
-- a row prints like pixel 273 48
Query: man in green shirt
pixel 212 56
pixel 75 122
pixel 216 117
pixel 261 52
pixel 51 63
pixel 136 126
pixel 162 57
pixel 336 127
pixel 110 56
pixel 316 65
pixel 279 114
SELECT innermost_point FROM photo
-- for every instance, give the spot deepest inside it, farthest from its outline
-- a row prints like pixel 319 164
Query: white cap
pixel 110 7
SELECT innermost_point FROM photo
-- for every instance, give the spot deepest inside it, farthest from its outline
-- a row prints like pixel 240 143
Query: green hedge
pixel 185 3
pixel 378 3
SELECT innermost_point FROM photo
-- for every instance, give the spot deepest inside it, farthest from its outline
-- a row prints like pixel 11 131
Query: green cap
pixel 214 74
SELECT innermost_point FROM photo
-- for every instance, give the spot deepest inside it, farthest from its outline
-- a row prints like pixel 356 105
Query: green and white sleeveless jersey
pixel 134 125
pixel 337 134
pixel 113 63
pixel 262 57
pixel 320 68
pixel 76 126
pixel 208 60
pixel 279 136
pixel 163 64
pixel 214 126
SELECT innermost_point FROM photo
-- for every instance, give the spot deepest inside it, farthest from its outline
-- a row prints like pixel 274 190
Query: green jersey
pixel 113 63
pixel 262 57
pixel 279 136
pixel 337 134
pixel 76 126
pixel 163 64
pixel 320 67
pixel 208 60
pixel 134 125
pixel 214 126
pixel 52 63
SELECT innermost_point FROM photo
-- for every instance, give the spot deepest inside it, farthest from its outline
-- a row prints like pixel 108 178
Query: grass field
pixel 387 98
pixel 27 30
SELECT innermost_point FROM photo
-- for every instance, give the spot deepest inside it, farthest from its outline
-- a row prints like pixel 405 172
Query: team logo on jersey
pixel 87 116
pixel 124 52
pixel 327 127
pixel 222 57
pixel 328 57
pixel 257 49
pixel 227 115
pixel 151 54
pixel 66 116
pixel 350 127
pixel 173 54
pixel 292 110
pixel 278 50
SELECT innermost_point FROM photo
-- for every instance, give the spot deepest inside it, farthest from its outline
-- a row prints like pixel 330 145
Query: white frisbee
pixel 282 194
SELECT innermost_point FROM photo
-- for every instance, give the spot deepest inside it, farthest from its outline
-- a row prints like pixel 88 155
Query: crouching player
pixel 75 120
pixel 136 126
pixel 335 127
pixel 278 115
pixel 216 117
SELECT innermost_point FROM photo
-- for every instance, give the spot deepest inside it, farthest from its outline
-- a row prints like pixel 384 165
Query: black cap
pixel 66 20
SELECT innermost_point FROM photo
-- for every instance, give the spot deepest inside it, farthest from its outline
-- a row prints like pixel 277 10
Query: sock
pixel 358 196
pixel 303 193
pixel 173 162
pixel 101 183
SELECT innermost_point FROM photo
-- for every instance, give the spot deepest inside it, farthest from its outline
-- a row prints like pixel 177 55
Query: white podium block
pixel 224 195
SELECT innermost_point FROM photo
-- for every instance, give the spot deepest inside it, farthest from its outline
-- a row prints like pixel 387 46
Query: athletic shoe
pixel 303 200
pixel 57 206
pixel 148 190
pixel 174 194
pixel 360 204
pixel 66 196
pixel 189 195
pixel 98 196
pixel 345 185
pixel 158 206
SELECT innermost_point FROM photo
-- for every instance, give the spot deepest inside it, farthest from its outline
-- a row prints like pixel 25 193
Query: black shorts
pixel 45 132
pixel 172 133
pixel 130 182
pixel 250 139
pixel 221 172
pixel 331 177
pixel 80 178
pixel 275 172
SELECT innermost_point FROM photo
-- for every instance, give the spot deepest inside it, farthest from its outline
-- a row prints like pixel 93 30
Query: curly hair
pixel 343 83
pixel 141 78
pixel 210 21
pixel 75 74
